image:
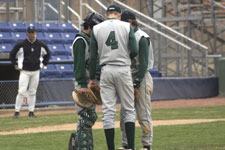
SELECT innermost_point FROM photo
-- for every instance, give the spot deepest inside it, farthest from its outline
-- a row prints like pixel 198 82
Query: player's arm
pixel 132 44
pixel 143 58
pixel 79 63
pixel 13 53
pixel 93 55
pixel 46 56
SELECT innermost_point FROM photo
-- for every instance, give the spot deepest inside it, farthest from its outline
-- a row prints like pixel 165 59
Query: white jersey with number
pixel 138 35
pixel 112 37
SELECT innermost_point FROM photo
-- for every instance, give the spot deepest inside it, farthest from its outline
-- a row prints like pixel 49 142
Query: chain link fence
pixel 49 92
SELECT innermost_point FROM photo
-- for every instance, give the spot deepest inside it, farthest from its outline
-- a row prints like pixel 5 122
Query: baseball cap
pixel 127 14
pixel 114 8
pixel 31 29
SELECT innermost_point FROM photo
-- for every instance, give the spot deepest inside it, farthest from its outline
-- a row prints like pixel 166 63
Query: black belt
pixel 103 65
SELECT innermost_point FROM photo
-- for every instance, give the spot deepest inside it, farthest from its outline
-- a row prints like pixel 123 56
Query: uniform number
pixel 111 41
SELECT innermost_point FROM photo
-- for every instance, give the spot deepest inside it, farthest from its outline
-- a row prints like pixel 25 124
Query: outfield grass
pixel 9 123
pixel 204 136
pixel 214 112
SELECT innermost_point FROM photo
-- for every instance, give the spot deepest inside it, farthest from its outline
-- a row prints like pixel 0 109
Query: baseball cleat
pixel 31 115
pixel 16 115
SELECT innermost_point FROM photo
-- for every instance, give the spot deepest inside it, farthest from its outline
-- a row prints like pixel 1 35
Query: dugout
pixel 7 75
pixel 7 71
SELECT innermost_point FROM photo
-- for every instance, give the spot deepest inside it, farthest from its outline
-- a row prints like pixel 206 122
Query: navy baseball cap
pixel 127 14
pixel 31 29
pixel 114 8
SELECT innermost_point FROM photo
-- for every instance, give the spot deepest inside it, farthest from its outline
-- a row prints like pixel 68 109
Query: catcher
pixel 83 96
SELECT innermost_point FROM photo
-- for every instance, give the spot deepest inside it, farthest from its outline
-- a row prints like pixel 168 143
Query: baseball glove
pixel 83 100
pixel 151 89
pixel 136 94
pixel 94 90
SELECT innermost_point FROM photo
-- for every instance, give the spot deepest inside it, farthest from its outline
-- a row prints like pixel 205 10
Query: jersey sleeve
pixel 132 44
pixel 13 53
pixel 93 55
pixel 143 58
pixel 79 62
pixel 46 56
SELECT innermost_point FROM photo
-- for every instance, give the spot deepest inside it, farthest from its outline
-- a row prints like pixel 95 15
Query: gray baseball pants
pixel 143 109
pixel 116 83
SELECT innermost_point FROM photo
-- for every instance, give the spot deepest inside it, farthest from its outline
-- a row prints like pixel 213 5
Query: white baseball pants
pixel 28 83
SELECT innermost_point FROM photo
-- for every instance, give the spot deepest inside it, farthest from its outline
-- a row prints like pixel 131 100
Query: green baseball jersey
pixel 145 59
pixel 115 43
pixel 81 54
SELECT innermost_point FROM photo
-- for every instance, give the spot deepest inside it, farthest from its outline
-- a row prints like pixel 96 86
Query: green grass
pixel 204 136
pixel 189 113
pixel 9 123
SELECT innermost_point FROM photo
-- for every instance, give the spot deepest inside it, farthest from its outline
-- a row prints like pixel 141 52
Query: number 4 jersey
pixel 113 38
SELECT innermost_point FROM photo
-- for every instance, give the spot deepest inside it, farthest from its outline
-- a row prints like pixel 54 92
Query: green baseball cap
pixel 127 14
pixel 114 8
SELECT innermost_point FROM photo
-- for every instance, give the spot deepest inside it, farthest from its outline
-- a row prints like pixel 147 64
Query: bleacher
pixel 57 36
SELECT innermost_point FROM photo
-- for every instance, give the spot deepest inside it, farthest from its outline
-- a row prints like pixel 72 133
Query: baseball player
pixel 32 56
pixel 142 82
pixel 111 40
pixel 81 52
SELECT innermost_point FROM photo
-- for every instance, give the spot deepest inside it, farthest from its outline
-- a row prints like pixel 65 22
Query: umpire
pixel 32 56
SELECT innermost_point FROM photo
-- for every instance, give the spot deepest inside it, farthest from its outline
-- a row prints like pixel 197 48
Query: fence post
pixel 221 75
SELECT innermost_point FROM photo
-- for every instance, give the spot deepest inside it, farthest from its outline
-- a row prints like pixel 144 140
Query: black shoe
pixel 16 115
pixel 147 147
pixel 31 115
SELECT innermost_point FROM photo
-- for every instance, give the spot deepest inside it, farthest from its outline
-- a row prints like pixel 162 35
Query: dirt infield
pixel 98 125
pixel 215 101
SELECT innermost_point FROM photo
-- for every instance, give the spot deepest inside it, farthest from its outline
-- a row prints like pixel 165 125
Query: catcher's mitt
pixel 94 90
pixel 81 99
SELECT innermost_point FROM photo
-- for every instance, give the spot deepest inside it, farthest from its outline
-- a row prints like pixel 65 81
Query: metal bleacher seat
pixel 4 27
pixel 70 57
pixel 66 70
pixel 6 37
pixel 50 71
pixel 54 37
pixel 60 57
pixel 6 48
pixel 57 49
pixel 69 37
pixel 41 36
pixel 67 27
pixel 155 72
pixel 37 25
pixel 18 36
pixel 51 27
pixel 68 48
pixel 18 26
